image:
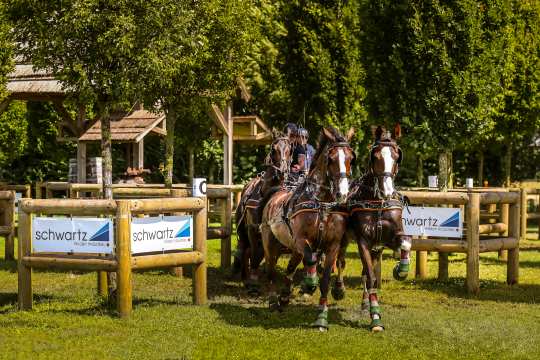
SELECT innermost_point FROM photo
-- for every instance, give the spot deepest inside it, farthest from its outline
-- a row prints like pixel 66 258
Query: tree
pixel 307 67
pixel 89 46
pixel 6 55
pixel 190 50
pixel 431 65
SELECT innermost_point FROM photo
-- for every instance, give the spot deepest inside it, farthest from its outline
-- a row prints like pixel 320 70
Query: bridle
pixel 382 177
pixel 284 163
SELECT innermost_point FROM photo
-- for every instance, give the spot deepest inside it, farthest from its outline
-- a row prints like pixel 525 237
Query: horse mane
pixel 324 141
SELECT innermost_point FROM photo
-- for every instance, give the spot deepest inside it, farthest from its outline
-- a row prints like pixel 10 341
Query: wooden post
pixel 48 192
pixel 503 254
pixel 25 272
pixel 9 220
pixel 422 264
pixel 443 266
pixel 523 214
pixel 473 243
pixel 512 269
pixel 123 255
pixel 39 193
pixel 138 154
pixel 226 222
pixel 228 146
pixel 81 162
pixel 177 271
pixel 199 270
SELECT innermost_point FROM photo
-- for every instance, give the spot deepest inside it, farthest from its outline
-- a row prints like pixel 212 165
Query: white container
pixel 469 183
pixel 432 181
pixel 199 187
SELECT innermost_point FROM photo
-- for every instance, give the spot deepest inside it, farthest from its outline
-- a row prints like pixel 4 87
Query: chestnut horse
pixel 251 204
pixel 375 220
pixel 309 220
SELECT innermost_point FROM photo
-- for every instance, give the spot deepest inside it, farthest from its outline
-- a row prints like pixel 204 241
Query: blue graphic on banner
pixel 102 234
pixel 185 231
pixel 452 221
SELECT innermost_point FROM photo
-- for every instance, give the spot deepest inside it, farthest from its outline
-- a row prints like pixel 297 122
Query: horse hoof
pixel 323 329
pixel 308 288
pixel 338 292
pixel 377 328
pixel 400 273
pixel 322 320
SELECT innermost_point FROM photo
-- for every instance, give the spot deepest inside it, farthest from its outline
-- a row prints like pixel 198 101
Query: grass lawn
pixel 423 319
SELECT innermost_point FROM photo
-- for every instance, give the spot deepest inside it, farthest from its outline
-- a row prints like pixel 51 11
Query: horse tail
pixel 264 200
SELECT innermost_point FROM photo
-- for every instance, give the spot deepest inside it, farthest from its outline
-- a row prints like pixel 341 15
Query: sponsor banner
pixel 161 233
pixel 78 235
pixel 433 221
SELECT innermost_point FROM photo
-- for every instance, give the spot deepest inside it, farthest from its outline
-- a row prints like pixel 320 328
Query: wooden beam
pixel 138 154
pixel 219 119
pixel 150 128
pixel 67 120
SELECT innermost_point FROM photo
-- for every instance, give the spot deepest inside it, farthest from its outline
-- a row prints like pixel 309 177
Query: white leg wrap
pixel 406 245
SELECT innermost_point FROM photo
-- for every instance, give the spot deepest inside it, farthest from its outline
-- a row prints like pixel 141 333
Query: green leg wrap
pixel 401 271
pixel 309 285
pixel 322 320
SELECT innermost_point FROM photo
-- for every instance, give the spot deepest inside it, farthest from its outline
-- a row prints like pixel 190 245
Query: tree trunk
pixel 481 168
pixel 191 166
pixel 211 171
pixel 445 170
pixel 106 154
pixel 169 146
pixel 508 164
pixel 420 170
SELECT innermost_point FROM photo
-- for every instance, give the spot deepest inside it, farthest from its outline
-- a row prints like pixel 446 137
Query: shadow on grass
pixel 293 316
pixel 490 290
pixel 8 265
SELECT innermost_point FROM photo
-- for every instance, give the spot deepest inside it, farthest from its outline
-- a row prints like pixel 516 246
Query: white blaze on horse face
pixel 388 183
pixel 343 180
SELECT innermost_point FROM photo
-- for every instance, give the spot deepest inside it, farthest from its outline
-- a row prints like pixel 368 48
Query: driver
pixel 298 163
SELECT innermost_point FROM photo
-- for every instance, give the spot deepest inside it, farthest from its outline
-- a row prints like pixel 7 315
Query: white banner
pixel 78 235
pixel 161 233
pixel 433 221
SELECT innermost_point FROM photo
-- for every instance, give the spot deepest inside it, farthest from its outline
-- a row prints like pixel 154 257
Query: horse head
pixel 332 162
pixel 384 160
pixel 280 155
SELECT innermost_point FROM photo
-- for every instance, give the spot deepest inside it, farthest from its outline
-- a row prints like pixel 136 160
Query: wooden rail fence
pixel 477 238
pixel 123 261
pixel 7 222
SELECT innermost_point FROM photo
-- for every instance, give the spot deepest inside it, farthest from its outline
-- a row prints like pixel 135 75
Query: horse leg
pixel 368 263
pixel 322 319
pixel 240 265
pixel 286 291
pixel 271 255
pixel 401 270
pixel 252 283
pixel 311 279
pixel 338 290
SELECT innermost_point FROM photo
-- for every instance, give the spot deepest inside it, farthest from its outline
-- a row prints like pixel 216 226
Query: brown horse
pixel 375 219
pixel 310 220
pixel 249 251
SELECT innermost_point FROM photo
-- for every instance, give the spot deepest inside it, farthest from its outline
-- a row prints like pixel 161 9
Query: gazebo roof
pixel 25 83
pixel 130 128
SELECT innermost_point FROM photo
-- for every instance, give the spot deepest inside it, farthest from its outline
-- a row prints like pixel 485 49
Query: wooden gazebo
pixel 131 129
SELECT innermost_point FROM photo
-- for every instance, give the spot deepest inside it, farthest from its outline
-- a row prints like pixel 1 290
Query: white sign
pixel 433 221
pixel 432 181
pixel 161 233
pixel 77 235
pixel 199 187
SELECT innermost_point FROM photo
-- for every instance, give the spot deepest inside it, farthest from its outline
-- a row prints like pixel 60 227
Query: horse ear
pixel 397 131
pixel 378 133
pixel 329 134
pixel 350 134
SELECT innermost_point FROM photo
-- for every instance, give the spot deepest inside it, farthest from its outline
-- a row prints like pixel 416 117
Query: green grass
pixel 424 319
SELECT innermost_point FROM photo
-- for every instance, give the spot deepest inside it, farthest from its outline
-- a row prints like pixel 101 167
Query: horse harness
pixel 378 208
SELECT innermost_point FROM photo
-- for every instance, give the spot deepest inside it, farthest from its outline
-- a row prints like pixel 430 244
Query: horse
pixel 309 220
pixel 375 220
pixel 252 200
